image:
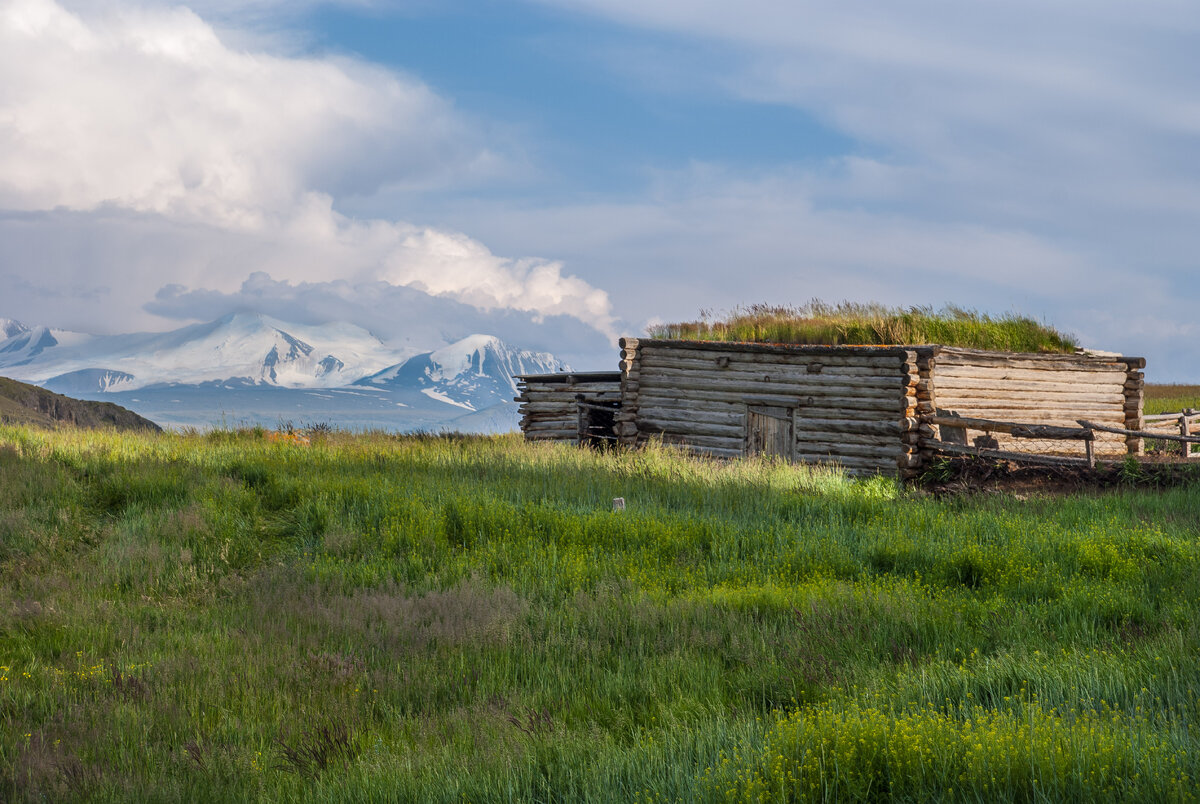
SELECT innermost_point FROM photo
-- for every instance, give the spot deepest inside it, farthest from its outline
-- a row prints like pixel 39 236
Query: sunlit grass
pixel 224 617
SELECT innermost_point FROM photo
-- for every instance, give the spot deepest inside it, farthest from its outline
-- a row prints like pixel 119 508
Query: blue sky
pixel 569 171
pixel 570 85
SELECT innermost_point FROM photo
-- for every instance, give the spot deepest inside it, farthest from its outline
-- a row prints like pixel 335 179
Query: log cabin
pixel 868 409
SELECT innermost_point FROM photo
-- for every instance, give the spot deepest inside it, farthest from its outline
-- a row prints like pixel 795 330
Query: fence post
pixel 1184 430
pixel 1089 448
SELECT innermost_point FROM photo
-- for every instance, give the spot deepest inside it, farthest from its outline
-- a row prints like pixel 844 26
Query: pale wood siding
pixel 1039 389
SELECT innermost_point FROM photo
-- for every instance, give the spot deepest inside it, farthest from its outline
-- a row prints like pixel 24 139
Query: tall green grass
pixel 1171 398
pixel 219 617
pixel 848 323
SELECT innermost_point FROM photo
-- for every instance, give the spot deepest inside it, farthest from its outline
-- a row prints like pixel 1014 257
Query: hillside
pixel 21 403
pixel 846 323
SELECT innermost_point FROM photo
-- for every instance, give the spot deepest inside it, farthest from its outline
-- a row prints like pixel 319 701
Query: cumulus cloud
pixel 203 163
pixel 399 315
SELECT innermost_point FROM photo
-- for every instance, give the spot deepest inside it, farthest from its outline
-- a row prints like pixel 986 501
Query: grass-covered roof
pixel 848 323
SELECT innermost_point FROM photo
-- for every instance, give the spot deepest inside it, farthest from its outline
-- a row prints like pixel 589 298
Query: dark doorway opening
pixel 597 422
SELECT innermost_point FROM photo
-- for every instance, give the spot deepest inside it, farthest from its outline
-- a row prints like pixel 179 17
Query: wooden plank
pixel 767 432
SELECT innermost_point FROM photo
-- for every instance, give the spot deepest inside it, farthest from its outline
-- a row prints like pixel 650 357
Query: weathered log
pixel 1065 418
pixel 699 396
pixel 736 403
pixel 816 365
pixel 1017 429
pixel 547 426
pixel 878 452
pixel 720 442
pixel 784 375
pixel 1113 397
pixel 729 418
pixel 1191 439
pixel 1028 388
pixel 955 401
pixel 652 426
pixel 851 463
pixel 553 435
pixel 718 347
pixel 958 355
pixel 1046 373
pixel 765 386
pixel 817 439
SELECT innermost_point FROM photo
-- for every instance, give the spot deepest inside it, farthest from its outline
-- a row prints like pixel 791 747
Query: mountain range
pixel 249 368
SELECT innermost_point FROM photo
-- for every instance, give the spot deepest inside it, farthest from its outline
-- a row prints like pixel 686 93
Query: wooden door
pixel 769 431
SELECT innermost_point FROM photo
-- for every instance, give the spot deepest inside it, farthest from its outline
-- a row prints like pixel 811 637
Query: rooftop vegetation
pixel 849 323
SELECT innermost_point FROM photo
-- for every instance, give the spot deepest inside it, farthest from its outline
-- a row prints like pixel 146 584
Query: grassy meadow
pixel 377 618
pixel 1171 398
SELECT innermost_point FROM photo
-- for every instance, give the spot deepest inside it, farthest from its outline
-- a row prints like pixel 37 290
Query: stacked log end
pixel 626 419
pixel 1135 385
pixel 918 366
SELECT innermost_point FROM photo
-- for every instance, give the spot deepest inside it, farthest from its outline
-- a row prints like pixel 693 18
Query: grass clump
pixel 859 324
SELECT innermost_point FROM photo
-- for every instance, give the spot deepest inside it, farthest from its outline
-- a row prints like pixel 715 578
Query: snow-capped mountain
pixel 243 347
pixel 9 328
pixel 252 368
pixel 473 373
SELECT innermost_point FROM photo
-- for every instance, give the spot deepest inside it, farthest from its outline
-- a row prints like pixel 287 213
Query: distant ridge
pixel 21 403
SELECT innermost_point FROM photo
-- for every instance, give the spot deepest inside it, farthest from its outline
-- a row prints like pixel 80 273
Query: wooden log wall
pixel 854 406
pixel 549 411
pixel 1039 389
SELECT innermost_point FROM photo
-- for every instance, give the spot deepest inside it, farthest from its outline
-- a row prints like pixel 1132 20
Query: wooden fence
pixel 1186 422
pixel 1085 433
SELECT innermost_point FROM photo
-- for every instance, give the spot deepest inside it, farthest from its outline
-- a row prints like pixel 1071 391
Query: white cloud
pixel 1008 154
pixel 206 163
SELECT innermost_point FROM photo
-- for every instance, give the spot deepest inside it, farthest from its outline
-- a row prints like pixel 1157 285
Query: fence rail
pixel 1185 421
pixel 1086 432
